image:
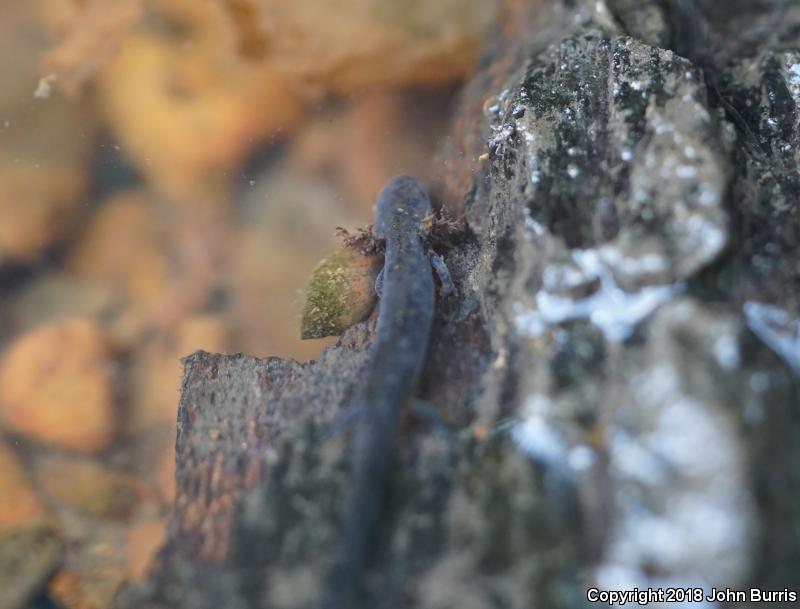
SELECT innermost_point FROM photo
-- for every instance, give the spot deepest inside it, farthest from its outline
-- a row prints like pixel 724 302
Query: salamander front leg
pixel 447 287
pixel 379 284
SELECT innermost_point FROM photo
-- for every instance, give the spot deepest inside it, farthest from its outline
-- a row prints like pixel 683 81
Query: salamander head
pixel 402 205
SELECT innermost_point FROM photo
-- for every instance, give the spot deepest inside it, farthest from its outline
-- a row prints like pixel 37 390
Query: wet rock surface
pixel 619 372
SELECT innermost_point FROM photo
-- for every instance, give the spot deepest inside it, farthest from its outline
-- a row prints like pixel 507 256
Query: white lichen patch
pixel 677 185
pixel 616 312
pixel 777 330
pixel 671 460
pixel 791 73
pixel 683 509
pixel 537 437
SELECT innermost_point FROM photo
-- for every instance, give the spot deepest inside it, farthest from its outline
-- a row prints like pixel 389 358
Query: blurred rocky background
pixel 170 171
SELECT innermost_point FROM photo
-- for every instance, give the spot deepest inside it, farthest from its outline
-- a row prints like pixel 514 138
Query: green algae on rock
pixel 340 293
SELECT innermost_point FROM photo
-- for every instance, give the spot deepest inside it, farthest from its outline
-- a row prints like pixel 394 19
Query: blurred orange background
pixel 170 172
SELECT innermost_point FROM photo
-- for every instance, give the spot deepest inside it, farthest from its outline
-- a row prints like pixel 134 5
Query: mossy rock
pixel 340 293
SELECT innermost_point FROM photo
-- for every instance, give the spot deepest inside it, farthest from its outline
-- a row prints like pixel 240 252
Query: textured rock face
pixel 616 147
pixel 620 371
pixel 633 209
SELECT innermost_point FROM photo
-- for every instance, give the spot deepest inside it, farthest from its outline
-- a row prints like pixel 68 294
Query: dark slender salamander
pixel 406 291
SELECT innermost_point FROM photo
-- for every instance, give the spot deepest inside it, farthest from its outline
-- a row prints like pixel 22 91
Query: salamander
pixel 406 294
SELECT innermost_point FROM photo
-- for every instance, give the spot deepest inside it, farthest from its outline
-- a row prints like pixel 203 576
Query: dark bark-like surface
pixel 619 371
